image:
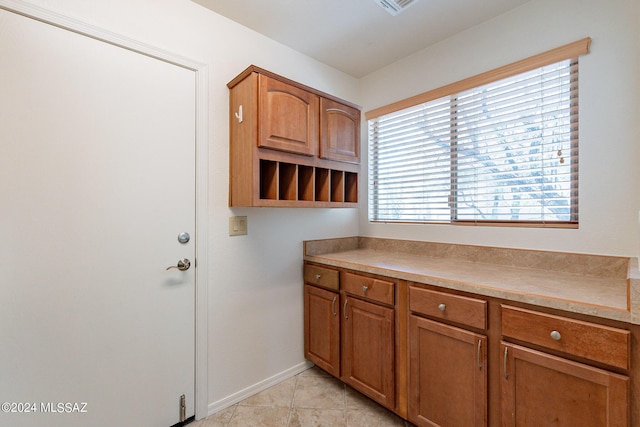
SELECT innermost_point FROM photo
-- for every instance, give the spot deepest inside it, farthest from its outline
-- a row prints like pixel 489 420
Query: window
pixel 499 148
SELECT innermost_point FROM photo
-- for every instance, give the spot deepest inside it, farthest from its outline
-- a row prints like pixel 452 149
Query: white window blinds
pixel 410 164
pixel 501 152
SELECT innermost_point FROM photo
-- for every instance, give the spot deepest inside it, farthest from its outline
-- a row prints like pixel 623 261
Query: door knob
pixel 183 265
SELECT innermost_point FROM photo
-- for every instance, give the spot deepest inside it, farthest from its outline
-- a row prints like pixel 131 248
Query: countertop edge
pixel 599 311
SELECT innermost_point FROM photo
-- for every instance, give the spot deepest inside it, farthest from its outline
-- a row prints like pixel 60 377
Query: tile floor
pixel 312 398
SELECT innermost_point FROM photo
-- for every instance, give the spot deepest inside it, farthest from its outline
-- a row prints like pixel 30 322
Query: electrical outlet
pixel 237 225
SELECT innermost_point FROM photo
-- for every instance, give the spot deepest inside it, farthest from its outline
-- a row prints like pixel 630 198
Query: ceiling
pixel 358 36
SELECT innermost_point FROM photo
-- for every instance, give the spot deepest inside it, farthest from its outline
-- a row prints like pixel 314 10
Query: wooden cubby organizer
pixel 284 182
pixel 291 145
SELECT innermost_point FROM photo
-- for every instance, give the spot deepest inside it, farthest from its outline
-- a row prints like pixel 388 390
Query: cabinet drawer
pixel 368 287
pixel 325 277
pixel 583 339
pixel 455 308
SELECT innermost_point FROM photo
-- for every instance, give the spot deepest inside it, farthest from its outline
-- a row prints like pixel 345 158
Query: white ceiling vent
pixel 394 7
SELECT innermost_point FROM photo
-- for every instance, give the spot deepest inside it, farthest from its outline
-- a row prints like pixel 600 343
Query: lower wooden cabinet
pixel 322 328
pixel 547 389
pixel 544 390
pixel 351 333
pixel 447 363
pixel 368 349
pixel 587 340
pixel 448 359
pixel 447 375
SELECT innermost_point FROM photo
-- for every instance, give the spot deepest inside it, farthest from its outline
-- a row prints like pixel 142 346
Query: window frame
pixel 567 52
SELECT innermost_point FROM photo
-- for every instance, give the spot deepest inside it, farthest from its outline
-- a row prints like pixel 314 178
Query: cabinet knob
pixel 318 276
pixel 555 335
pixel 365 289
pixel 442 307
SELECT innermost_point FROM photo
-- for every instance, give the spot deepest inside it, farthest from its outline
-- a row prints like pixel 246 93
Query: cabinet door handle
pixel 344 309
pixel 333 307
pixel 480 354
pixel 504 363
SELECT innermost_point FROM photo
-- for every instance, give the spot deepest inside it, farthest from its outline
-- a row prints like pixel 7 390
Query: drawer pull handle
pixel 365 289
pixel 442 307
pixel 333 307
pixel 344 309
pixel 555 335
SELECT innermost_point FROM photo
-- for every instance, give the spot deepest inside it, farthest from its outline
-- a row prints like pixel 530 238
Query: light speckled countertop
pixel 595 285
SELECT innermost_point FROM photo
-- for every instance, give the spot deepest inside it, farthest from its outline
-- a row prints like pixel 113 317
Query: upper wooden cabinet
pixel 339 132
pixel 291 145
pixel 288 117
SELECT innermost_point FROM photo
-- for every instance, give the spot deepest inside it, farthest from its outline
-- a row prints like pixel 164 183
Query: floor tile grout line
pixel 344 412
pixel 233 413
pixel 293 397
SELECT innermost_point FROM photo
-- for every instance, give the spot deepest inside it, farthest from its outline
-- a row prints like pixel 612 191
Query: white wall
pixel 609 116
pixel 255 290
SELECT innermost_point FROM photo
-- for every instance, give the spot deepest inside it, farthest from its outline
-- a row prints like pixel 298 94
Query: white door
pixel 97 179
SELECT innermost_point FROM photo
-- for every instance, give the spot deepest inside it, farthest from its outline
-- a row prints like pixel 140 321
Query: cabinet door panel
pixel 447 375
pixel 368 357
pixel 339 132
pixel 541 389
pixel 322 328
pixel 288 118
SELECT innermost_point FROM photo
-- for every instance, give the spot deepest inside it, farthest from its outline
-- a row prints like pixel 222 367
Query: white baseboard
pixel 257 388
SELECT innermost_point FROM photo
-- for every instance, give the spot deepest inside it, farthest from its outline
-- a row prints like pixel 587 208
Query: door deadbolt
pixel 184 237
